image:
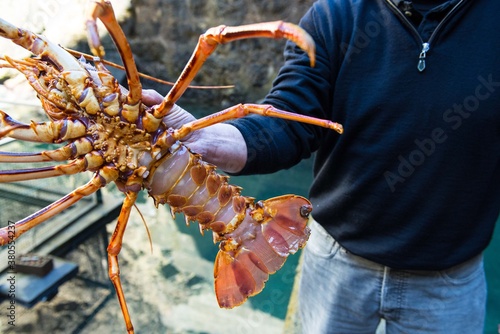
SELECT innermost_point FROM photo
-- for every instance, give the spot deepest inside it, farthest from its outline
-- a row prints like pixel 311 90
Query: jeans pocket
pixel 464 272
pixel 321 243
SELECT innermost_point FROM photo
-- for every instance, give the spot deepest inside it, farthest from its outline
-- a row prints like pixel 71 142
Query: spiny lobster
pixel 111 133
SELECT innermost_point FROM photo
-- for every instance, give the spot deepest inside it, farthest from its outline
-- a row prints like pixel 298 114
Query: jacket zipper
pixel 425 45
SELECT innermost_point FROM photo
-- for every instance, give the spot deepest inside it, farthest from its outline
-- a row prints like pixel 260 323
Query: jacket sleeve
pixel 275 144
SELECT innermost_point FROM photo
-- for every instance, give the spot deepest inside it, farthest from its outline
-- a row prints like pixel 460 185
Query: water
pixel 492 268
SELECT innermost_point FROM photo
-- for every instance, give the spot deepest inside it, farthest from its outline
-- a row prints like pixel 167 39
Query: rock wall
pixel 163 34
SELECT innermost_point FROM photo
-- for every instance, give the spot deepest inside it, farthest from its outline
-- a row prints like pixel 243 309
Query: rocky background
pixel 163 35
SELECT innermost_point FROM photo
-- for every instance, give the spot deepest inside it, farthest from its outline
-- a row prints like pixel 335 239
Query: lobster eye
pixel 305 210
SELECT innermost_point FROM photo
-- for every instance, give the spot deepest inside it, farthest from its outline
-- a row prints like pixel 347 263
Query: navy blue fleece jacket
pixel 414 181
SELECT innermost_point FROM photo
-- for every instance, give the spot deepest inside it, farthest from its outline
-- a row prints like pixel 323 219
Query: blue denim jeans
pixel 344 293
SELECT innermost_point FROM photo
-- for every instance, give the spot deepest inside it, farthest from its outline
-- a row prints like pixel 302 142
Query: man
pixel 406 200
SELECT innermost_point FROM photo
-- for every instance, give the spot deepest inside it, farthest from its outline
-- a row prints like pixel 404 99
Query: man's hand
pixel 176 117
pixel 221 144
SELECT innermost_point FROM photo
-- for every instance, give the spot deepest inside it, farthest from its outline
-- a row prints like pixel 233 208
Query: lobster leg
pixel 16 157
pixel 114 248
pixel 209 41
pixel 67 152
pixel 88 162
pixel 103 10
pixel 74 167
pixel 11 233
pixel 61 154
pixel 45 132
pixel 242 110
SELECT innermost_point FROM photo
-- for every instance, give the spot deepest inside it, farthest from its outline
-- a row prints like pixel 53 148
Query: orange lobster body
pixel 113 134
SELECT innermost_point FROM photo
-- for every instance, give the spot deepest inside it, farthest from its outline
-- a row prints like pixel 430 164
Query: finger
pixel 150 97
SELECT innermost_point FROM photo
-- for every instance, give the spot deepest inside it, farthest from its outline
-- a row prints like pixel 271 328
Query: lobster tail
pixel 270 231
pixel 255 238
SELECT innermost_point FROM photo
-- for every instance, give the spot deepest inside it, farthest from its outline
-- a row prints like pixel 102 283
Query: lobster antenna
pixel 146 226
pixel 142 75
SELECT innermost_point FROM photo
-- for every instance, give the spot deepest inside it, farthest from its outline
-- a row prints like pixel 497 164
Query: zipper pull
pixel 421 58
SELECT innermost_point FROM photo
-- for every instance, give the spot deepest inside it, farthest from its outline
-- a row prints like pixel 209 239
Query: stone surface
pixel 167 33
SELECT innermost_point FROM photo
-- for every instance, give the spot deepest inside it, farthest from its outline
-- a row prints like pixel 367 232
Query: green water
pixel 492 268
pixel 275 296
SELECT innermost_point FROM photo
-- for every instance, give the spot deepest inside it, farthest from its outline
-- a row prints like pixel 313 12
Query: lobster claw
pixel 259 247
